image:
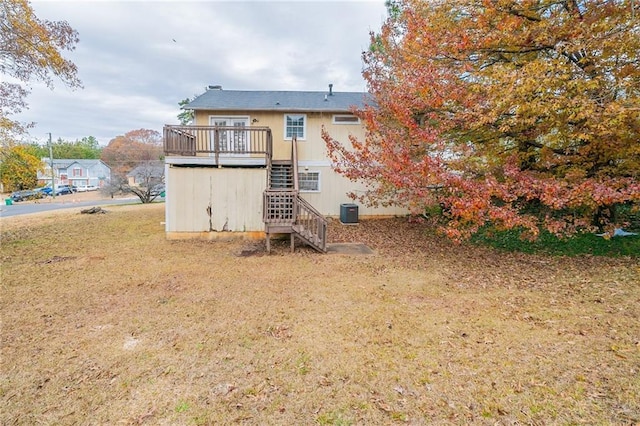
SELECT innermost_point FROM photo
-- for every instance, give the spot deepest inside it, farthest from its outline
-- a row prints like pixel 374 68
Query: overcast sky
pixel 138 59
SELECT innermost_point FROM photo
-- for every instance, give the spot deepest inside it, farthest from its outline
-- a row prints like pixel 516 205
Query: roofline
pixel 47 160
pixel 366 99
pixel 360 92
pixel 282 109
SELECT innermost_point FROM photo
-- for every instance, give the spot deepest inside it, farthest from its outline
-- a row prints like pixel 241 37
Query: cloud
pixel 138 59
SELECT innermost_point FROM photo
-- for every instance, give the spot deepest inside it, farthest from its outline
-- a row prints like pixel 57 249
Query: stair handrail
pixel 269 156
pixel 294 162
pixel 313 221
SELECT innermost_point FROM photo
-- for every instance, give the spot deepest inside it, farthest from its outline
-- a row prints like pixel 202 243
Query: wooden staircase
pixel 285 212
pixel 281 175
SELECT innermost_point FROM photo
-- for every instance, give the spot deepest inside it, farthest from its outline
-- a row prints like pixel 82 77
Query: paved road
pixel 28 208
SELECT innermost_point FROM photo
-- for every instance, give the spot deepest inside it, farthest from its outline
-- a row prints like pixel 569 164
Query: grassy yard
pixel 106 322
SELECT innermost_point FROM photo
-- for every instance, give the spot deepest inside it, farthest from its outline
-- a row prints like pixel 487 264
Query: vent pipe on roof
pixel 216 87
pixel 330 89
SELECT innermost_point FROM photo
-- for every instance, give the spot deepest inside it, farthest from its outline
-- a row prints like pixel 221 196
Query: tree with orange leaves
pixel 125 152
pixel 516 113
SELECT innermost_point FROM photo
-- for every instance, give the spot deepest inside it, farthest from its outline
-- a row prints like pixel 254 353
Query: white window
pixel 345 119
pixel 295 125
pixel 309 181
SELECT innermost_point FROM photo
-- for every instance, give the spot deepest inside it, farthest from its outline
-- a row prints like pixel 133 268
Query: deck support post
pixel 268 243
pixel 293 246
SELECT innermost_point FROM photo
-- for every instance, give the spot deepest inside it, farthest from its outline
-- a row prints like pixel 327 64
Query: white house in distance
pixel 75 172
pixel 254 164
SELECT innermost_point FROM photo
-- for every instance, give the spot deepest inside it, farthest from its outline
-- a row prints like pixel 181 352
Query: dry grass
pixel 106 322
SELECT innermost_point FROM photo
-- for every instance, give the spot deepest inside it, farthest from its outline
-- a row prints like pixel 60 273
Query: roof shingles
pixel 279 101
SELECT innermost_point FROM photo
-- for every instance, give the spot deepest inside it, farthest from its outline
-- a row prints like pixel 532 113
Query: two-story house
pixel 75 172
pixel 254 163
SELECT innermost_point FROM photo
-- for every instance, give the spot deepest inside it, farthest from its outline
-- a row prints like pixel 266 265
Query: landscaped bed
pixel 106 322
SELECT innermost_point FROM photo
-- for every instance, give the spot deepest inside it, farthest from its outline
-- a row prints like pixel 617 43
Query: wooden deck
pixel 218 144
pixel 284 211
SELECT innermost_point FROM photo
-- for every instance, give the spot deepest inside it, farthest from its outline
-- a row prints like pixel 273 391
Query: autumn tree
pixel 125 152
pixel 30 50
pixel 521 114
pixel 18 167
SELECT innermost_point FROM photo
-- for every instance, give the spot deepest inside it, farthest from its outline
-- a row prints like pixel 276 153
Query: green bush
pixel 548 243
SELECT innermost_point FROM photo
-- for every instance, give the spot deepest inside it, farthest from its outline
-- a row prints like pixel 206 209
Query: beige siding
pixel 234 195
pixel 312 148
pixel 333 192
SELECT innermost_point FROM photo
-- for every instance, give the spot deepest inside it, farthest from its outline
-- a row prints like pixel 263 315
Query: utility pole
pixel 53 173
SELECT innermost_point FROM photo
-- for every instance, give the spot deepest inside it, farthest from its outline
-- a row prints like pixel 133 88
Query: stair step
pixel 308 236
pixel 281 175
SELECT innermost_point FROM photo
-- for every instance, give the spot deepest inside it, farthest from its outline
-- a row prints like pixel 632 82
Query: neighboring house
pixel 254 163
pixel 75 172
pixel 145 173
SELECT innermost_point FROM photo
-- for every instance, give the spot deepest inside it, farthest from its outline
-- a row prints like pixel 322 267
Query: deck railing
pixel 218 140
pixel 280 207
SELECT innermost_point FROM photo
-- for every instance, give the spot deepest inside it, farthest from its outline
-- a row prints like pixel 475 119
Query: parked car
pixel 27 194
pixel 60 189
pixel 65 189
pixel 42 190
pixel 85 188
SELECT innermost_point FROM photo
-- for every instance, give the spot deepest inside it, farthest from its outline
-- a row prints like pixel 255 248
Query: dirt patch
pixel 253 248
pixel 131 328
pixel 56 259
